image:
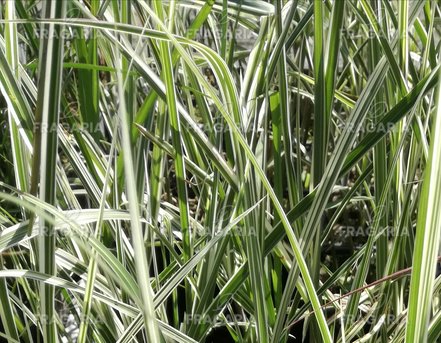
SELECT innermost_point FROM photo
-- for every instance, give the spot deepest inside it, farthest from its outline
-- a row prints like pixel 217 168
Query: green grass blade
pixel 141 264
pixel 48 106
pixel 427 239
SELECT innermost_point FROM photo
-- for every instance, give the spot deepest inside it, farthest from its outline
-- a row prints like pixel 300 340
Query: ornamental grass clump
pixel 220 170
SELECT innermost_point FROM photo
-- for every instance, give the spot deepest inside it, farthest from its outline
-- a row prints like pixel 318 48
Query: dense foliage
pixel 220 170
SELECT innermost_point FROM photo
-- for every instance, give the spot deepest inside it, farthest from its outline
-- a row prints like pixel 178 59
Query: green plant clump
pixel 220 171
